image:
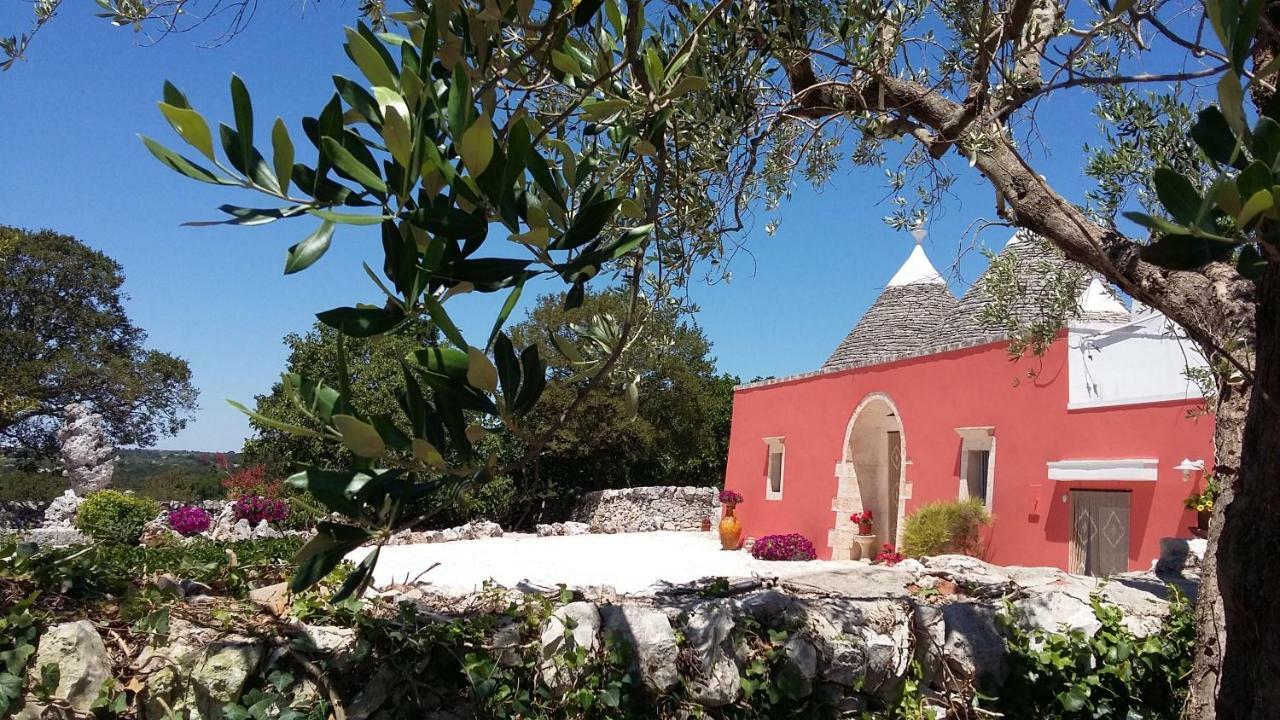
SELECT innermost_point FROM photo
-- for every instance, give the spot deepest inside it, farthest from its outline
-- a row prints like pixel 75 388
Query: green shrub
pixel 115 516
pixel 946 527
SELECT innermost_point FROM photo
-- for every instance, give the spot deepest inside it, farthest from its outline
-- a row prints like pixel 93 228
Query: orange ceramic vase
pixel 730 530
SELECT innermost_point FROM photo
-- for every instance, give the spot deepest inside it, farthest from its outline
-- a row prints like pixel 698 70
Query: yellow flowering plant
pixel 1203 500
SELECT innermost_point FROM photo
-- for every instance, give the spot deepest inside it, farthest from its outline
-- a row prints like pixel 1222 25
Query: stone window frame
pixel 977 439
pixel 775 443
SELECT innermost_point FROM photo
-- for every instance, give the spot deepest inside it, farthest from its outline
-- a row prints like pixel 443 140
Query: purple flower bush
pixel 730 497
pixel 256 508
pixel 189 520
pixel 792 546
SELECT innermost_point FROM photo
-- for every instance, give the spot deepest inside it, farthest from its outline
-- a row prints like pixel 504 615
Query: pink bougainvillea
pixel 256 508
pixel 730 497
pixel 189 520
pixel 791 546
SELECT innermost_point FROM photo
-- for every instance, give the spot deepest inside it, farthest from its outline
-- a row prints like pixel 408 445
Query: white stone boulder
pixel 653 642
pixel 77 650
pixel 576 625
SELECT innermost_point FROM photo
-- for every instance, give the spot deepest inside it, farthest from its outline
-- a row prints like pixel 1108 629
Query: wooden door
pixel 1100 532
pixel 890 522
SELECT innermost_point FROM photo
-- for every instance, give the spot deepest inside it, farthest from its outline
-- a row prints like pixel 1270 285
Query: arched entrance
pixel 870 475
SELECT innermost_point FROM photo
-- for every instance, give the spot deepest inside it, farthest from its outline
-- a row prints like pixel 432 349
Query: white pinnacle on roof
pixel 917 269
pixel 1097 299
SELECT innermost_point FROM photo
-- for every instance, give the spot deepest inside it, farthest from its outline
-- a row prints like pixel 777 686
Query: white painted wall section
pixel 1143 361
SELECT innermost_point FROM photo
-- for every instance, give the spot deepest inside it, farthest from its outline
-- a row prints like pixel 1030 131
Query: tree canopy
pixel 677 433
pixel 65 337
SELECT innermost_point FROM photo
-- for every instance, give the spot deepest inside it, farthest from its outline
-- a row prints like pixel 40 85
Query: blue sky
pixel 216 296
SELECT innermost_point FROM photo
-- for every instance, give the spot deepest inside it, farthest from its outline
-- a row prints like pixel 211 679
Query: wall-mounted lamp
pixel 1188 466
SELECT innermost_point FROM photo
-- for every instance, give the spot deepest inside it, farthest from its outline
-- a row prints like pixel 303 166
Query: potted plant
pixel 864 522
pixel 730 528
pixel 1202 503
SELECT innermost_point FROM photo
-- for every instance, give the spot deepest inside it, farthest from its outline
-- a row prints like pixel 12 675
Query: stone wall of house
pixel 642 509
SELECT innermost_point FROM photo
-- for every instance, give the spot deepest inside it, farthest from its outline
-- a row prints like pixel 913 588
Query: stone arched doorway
pixel 870 474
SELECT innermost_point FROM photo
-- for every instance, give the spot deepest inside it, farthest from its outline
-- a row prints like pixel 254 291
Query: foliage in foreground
pixel 230 569
pixel 1107 674
pixel 953 526
pixel 445 138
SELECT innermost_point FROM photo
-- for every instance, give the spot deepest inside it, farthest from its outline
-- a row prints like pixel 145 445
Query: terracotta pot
pixel 864 528
pixel 730 530
pixel 1201 529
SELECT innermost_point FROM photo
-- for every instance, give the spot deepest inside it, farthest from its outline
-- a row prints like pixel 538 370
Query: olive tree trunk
pixel 1247 563
pixel 1211 632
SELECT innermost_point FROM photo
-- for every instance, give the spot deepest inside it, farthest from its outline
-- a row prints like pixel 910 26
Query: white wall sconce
pixel 1189 466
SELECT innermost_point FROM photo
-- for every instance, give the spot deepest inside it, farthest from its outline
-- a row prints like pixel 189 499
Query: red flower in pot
pixel 863 520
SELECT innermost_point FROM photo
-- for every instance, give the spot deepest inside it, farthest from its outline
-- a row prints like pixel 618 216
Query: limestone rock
pixel 88 456
pixel 61 513
pixel 334 642
pixel 575 528
pixel 717 686
pixel 506 644
pixel 157 533
pixel 570 626
pixel 801 663
pixel 220 675
pixel 1056 611
pixel 273 598
pixel 972 646
pixel 648 632
pixel 708 632
pixel 81 656
pixel 975 577
pixel 1180 557
pixel 263 531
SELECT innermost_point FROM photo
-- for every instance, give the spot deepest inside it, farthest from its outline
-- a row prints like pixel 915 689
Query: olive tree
pixel 927 90
pixel 488 145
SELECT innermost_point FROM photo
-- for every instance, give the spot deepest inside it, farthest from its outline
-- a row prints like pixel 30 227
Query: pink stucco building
pixel 1075 451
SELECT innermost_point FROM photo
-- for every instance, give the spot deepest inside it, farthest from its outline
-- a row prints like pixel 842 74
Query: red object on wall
pixel 1023 405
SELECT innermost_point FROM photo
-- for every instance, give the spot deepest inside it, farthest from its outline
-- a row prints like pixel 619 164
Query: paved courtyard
pixel 629 562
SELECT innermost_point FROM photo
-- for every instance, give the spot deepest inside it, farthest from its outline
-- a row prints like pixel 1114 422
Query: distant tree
pixel 676 434
pixel 65 337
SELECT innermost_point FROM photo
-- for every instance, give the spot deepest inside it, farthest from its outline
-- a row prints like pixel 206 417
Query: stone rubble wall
pixel 21 515
pixel 644 509
pixel 851 634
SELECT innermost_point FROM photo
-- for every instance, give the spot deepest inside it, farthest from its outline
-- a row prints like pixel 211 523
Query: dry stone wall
pixel 643 509
pixel 852 633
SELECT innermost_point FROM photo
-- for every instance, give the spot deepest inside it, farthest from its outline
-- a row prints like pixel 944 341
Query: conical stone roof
pixel 902 320
pixel 1036 267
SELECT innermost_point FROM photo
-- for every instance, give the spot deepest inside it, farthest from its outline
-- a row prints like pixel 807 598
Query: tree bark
pixel 1247 561
pixel 1211 631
